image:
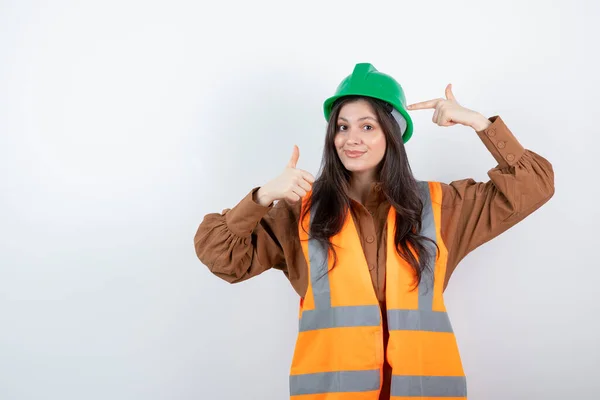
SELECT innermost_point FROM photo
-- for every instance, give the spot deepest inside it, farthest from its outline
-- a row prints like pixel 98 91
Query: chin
pixel 356 168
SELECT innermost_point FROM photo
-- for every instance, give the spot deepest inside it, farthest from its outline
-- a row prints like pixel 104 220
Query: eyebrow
pixel 360 119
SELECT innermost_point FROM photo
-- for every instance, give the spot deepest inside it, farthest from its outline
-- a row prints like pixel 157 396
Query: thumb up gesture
pixel 291 185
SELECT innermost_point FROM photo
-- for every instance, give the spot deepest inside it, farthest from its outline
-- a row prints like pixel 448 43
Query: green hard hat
pixel 367 81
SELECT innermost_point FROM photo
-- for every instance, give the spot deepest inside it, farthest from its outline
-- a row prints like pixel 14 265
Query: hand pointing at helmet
pixel 291 185
pixel 449 112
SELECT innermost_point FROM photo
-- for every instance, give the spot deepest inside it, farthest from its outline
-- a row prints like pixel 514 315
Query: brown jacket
pixel 249 239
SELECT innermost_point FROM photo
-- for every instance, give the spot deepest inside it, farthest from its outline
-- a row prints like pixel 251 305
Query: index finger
pixel 424 104
pixel 307 176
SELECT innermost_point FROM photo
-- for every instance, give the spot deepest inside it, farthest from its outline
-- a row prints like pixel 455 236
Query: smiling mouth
pixel 354 154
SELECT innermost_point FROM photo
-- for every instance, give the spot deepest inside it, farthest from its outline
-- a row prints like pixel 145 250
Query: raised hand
pixel 291 185
pixel 449 112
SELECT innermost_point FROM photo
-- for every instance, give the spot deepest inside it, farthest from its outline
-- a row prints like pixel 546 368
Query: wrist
pixel 262 198
pixel 480 123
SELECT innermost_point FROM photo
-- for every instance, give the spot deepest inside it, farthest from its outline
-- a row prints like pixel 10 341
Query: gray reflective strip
pixel 318 260
pixel 334 382
pixel 337 317
pixel 429 386
pixel 427 230
pixel 318 274
pixel 418 320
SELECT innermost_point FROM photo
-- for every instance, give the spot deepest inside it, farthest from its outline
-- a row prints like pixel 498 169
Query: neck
pixel 360 186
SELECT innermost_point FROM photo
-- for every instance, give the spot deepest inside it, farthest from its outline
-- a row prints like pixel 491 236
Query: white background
pixel 122 123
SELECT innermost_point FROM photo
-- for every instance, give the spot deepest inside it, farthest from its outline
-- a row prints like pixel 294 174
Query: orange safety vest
pixel 339 352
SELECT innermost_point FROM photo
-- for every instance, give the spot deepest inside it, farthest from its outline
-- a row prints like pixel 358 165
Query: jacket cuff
pixel 243 218
pixel 500 141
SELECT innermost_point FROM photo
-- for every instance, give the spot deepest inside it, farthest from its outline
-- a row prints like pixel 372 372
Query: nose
pixel 354 135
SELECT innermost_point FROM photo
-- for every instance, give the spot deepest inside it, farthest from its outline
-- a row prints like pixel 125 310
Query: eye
pixel 342 128
pixel 368 127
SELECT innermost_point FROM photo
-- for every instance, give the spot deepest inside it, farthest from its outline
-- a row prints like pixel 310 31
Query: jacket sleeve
pixel 476 212
pixel 244 241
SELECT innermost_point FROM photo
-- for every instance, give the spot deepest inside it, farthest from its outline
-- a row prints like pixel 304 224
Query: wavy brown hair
pixel 330 201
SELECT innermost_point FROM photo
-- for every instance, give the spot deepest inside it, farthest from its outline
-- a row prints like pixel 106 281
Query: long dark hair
pixel 330 201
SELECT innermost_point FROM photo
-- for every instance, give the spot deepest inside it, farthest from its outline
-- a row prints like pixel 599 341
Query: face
pixel 359 139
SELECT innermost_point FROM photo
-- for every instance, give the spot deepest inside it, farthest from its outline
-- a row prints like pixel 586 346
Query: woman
pixel 369 249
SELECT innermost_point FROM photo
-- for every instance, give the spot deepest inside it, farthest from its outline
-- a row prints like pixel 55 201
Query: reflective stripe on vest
pixel 339 353
pixel 332 382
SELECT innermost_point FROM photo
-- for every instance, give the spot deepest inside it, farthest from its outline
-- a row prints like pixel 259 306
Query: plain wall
pixel 122 123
